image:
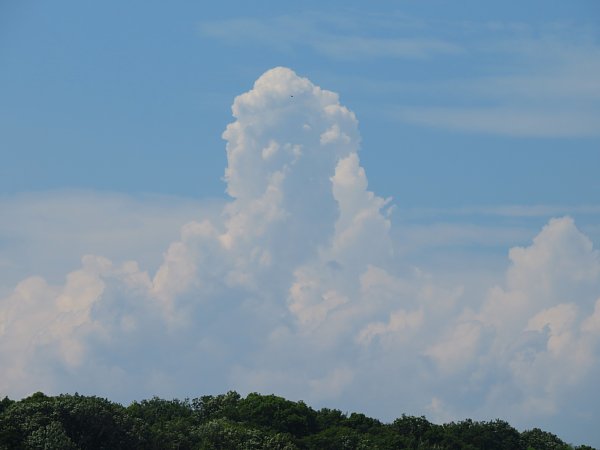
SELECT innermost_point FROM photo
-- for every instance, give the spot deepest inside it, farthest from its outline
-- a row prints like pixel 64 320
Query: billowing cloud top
pixel 295 290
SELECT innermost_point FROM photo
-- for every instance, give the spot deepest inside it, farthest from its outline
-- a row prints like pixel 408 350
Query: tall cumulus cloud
pixel 295 289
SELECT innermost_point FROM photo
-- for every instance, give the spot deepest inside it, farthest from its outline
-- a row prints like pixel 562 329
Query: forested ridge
pixel 230 421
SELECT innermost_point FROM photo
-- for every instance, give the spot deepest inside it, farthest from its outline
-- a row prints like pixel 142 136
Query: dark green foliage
pixel 52 436
pixel 329 418
pixel 278 414
pixel 209 407
pixel 337 438
pixel 5 403
pixel 167 423
pixel 228 421
pixel 537 439
pixel 495 435
pixel 68 421
pixel 224 434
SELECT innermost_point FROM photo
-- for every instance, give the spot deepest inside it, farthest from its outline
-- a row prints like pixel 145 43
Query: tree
pixel 5 403
pixel 278 414
pixel 50 437
pixel 229 421
pixel 209 407
pixel 537 439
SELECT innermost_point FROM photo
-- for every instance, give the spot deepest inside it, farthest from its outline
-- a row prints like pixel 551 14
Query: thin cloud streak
pixel 510 121
pixel 502 210
pixel 547 87
pixel 286 33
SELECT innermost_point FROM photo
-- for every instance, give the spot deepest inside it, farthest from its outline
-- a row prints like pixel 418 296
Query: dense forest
pixel 230 421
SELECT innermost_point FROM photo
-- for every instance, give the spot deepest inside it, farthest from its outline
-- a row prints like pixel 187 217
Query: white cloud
pixel 458 349
pixel 592 323
pixel 559 320
pixel 560 254
pixel 531 332
pixel 400 322
pixel 294 287
pixel 42 324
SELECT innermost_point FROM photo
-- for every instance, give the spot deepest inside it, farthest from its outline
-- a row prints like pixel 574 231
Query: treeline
pixel 231 422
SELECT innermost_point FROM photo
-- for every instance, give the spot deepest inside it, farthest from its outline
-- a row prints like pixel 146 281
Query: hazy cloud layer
pixel 295 287
pixel 47 232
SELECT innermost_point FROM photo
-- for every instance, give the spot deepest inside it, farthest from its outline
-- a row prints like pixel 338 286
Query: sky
pixel 389 207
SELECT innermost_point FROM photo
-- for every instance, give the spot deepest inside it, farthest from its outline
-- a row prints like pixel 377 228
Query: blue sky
pixel 480 122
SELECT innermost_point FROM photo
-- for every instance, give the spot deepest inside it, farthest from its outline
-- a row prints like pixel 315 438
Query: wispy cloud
pixel 353 48
pixel 510 121
pixel 504 211
pixel 344 38
pixel 508 79
pixel 540 87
